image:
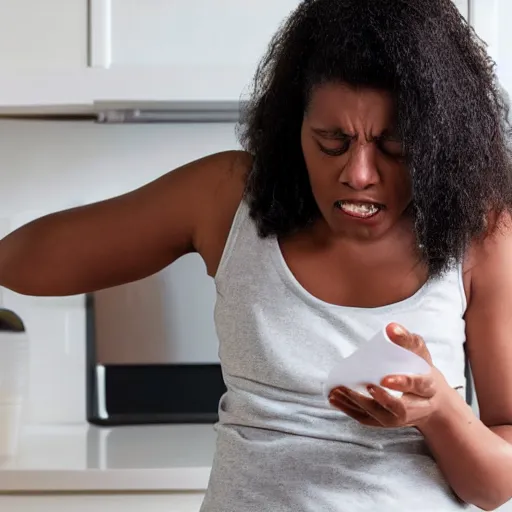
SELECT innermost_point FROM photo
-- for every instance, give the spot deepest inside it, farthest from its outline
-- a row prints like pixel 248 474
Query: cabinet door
pixel 210 45
pixel 43 35
pixel 186 502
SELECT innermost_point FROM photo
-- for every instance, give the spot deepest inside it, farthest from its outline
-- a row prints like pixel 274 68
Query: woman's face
pixel 355 161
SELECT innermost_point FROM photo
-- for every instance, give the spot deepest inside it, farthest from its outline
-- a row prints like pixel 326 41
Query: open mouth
pixel 359 209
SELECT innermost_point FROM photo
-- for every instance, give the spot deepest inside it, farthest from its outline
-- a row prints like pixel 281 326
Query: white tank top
pixel 281 446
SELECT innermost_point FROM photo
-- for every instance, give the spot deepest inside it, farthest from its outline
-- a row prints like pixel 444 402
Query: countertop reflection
pixel 89 458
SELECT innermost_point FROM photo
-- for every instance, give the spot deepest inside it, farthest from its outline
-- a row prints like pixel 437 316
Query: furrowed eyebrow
pixel 388 135
pixel 332 133
pixel 338 134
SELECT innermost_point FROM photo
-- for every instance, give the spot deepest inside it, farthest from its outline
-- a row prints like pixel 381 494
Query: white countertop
pixel 89 458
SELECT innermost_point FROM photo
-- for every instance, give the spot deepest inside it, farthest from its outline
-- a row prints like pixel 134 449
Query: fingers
pixel 392 405
pixel 363 419
pixel 338 398
pixel 420 385
pixel 345 405
pixel 382 410
pixel 412 342
pixel 361 408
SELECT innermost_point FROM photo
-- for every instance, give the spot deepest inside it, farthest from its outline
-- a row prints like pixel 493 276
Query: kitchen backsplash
pixel 49 166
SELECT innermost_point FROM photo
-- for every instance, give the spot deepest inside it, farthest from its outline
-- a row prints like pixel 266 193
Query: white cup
pixel 14 361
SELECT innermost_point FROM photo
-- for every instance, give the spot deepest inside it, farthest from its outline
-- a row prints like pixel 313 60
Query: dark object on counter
pixel 149 393
pixel 10 321
pixel 159 393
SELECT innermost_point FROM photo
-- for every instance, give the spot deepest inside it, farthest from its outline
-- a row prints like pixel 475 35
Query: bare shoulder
pixel 489 321
pixel 221 187
pixel 487 257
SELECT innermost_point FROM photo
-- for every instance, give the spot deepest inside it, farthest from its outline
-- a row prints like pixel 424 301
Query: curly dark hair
pixel 452 115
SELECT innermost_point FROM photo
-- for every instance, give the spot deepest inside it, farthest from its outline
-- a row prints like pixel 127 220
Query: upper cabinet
pixel 205 50
pixel 44 35
pixel 183 33
pixel 78 56
pixel 66 55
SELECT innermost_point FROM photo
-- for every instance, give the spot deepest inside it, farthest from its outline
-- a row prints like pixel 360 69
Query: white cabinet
pixel 182 34
pixel 181 50
pixel 44 35
pixel 68 54
pixel 168 502
pixel 76 55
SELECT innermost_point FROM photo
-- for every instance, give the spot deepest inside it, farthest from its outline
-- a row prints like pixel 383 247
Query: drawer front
pixel 165 502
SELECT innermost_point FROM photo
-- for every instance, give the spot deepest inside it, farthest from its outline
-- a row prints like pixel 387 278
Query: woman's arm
pixel 475 454
pixel 128 237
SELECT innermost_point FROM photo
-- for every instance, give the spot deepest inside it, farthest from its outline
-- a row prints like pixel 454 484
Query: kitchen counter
pixel 128 458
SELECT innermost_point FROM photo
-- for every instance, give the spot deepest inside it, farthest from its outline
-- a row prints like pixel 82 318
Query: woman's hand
pixel 423 395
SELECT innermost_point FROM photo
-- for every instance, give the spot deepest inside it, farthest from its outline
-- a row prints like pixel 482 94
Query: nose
pixel 360 172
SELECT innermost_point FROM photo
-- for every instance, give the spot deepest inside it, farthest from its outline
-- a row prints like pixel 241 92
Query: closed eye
pixel 391 147
pixel 340 150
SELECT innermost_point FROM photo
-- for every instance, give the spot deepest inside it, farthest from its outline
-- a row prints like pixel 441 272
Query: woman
pixel 374 190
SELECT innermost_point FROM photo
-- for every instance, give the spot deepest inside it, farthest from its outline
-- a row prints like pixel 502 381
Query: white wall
pixel 48 166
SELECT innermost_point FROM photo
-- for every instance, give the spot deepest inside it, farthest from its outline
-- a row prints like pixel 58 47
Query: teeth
pixel 361 209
